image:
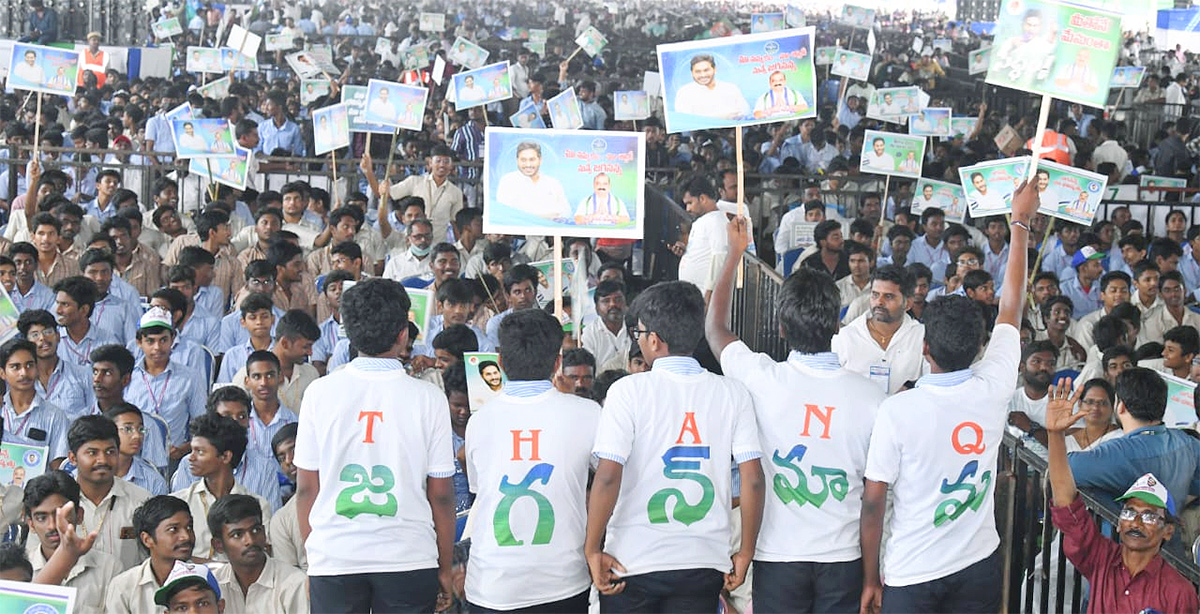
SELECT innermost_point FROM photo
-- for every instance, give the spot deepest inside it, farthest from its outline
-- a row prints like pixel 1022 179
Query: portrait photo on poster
pixel 888 153
pixel 481 86
pixel 570 183
pixel 738 81
pixel 331 128
pixel 989 186
pixel 202 138
pixel 949 197
pixel 395 104
pixel 49 70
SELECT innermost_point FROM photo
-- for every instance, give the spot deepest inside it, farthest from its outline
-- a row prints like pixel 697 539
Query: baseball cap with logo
pixel 155 317
pixel 1085 253
pixel 1150 490
pixel 186 575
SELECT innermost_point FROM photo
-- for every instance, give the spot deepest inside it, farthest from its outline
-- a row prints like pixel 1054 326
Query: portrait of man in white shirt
pixel 878 158
pixel 528 190
pixel 707 96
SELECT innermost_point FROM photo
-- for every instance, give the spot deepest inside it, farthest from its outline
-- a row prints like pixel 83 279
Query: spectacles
pixel 638 332
pixel 971 262
pixel 48 333
pixel 1094 403
pixel 259 281
pixel 129 430
pixel 1148 517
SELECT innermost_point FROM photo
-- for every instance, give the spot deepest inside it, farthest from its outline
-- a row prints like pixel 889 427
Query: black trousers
pixel 401 591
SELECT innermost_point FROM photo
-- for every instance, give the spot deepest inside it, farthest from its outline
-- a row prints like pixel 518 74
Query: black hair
pixel 195 256
pixel 1118 350
pixel 349 249
pixel 12 346
pixel 91 428
pixel 53 482
pixel 81 290
pixel 1174 276
pixel 1057 299
pixel 578 357
pixel 1186 337
pixel 45 219
pixel 456 339
pixel 256 301
pixel 23 247
pixel 120 409
pixel 279 253
pixel 181 273
pixel 898 275
pixel 518 274
pixel 824 229
pixel 608 288
pixel 374 314
pixel 94 256
pixel 12 556
pixel 953 331
pixel 1107 332
pixel 700 186
pixel 231 509
pixel 807 308
pixel 530 342
pixel 265 211
pixel 263 356
pixel 259 268
pixel 288 431
pixel 1164 248
pixel 674 311
pixel 1144 394
pixel 118 355
pixel 1102 384
pixel 454 378
pixel 173 297
pixel 1037 347
pixel 297 324
pixel 497 251
pixel 456 291
pixel 1112 276
pixel 975 278
pixel 223 433
pixel 208 221
pixel 227 394
pixel 35 317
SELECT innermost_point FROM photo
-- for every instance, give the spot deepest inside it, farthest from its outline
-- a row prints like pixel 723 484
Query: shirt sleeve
pixel 884 455
pixel 740 362
pixel 1082 542
pixel 1106 467
pixel 1000 360
pixel 439 451
pixel 58 435
pixel 614 433
pixel 746 445
pixel 307 452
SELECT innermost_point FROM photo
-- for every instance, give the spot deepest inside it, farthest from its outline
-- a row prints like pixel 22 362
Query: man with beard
pixel 1147 517
pixel 91 575
pixel 1027 408
pixel 163 524
pixel 252 581
pixel 885 345
pixel 607 338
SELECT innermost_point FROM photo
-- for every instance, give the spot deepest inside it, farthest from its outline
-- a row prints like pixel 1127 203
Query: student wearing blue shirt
pixel 130 466
pixel 277 131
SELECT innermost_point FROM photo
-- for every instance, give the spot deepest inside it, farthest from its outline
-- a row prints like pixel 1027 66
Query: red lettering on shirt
pixel 689 426
pixel 532 439
pixel 370 416
pixel 974 444
pixel 825 418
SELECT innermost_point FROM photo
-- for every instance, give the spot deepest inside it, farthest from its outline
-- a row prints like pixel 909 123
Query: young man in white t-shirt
pixel 936 446
pixel 658 527
pixel 814 419
pixel 375 467
pixel 528 457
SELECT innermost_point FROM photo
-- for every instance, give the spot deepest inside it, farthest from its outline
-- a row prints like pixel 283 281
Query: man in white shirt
pixel 937 445
pixel 830 437
pixel 706 240
pixel 1027 407
pixel 527 459
pixel 708 97
pixel 527 189
pixel 162 524
pixel 356 422
pixel 885 343
pixel 414 260
pixel 252 581
pixel 443 200
pixel 606 337
pixel 667 443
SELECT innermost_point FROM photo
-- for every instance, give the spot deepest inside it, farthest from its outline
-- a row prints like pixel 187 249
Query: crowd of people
pixel 240 412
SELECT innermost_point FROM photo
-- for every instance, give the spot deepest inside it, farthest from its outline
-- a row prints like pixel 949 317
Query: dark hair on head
pixel 1174 276
pixel 1102 384
pixel 173 297
pixel 862 227
pixel 700 186
pixel 227 394
pixel 279 253
pixel 1144 394
pixel 1128 313
pixel 23 247
pixel 898 275
pixel 14 345
pixel 45 219
pixel 1037 347
pixel 259 269
pixel 496 252
pixel 232 509
pixel 956 230
pixel 442 248
pixel 196 257
pixel 118 355
pixel 181 273
pixel 1164 248
pixel 208 221
pixel 604 381
pixel 223 433
pixel 674 312
pixel 12 557
pixel 81 290
pixel 456 291
pixel 454 378
pixel 917 271
pixel 530 342
pixel 456 339
pixel 91 428
pixel 518 274
pixel 975 278
pixel 263 356
pixel 272 211
pixel 337 215
pixel 110 245
pixel 808 306
pixel 153 511
pixel 953 331
pixel 1185 337
pixel 608 288
pixel 349 249
pixel 256 301
pixel 117 222
pixel 298 187
pixel 35 317
pixel 1115 351
pixel 374 314
pixel 929 213
pixel 96 256
pixel 578 357
pixel 120 409
pixel 296 324
pixel 465 216
pixel 826 228
pixel 1108 331
pixel 53 482
pixel 1045 275
pixel 900 230
pixel 288 431
pixel 333 277
pixel 1112 276
pixel 1057 299
pixel 1136 241
pixel 409 201
pixel 1141 267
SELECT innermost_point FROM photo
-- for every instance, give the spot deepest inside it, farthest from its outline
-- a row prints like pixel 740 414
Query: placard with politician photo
pixel 481 86
pixel 202 138
pixel 395 104
pixel 568 183
pixel 43 69
pixel 989 186
pixel 738 81
pixel 331 128
pixel 888 153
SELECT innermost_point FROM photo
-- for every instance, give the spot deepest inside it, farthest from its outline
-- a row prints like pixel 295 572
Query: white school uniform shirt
pixel 527 461
pixel 902 361
pixel 390 454
pixel 1035 410
pixel 287 547
pixel 279 589
pixel 677 430
pixel 814 422
pixel 936 446
pixel 199 499
pixel 90 577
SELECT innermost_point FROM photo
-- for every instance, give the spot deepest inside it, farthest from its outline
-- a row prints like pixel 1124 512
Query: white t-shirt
pixel 937 448
pixel 513 541
pixel 1036 410
pixel 815 424
pixel 723 100
pixel 901 362
pixel 677 436
pixel 708 239
pixel 374 434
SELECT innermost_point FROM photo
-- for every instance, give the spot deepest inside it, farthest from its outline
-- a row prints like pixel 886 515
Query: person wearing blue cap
pixel 1130 576
pixel 1082 289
